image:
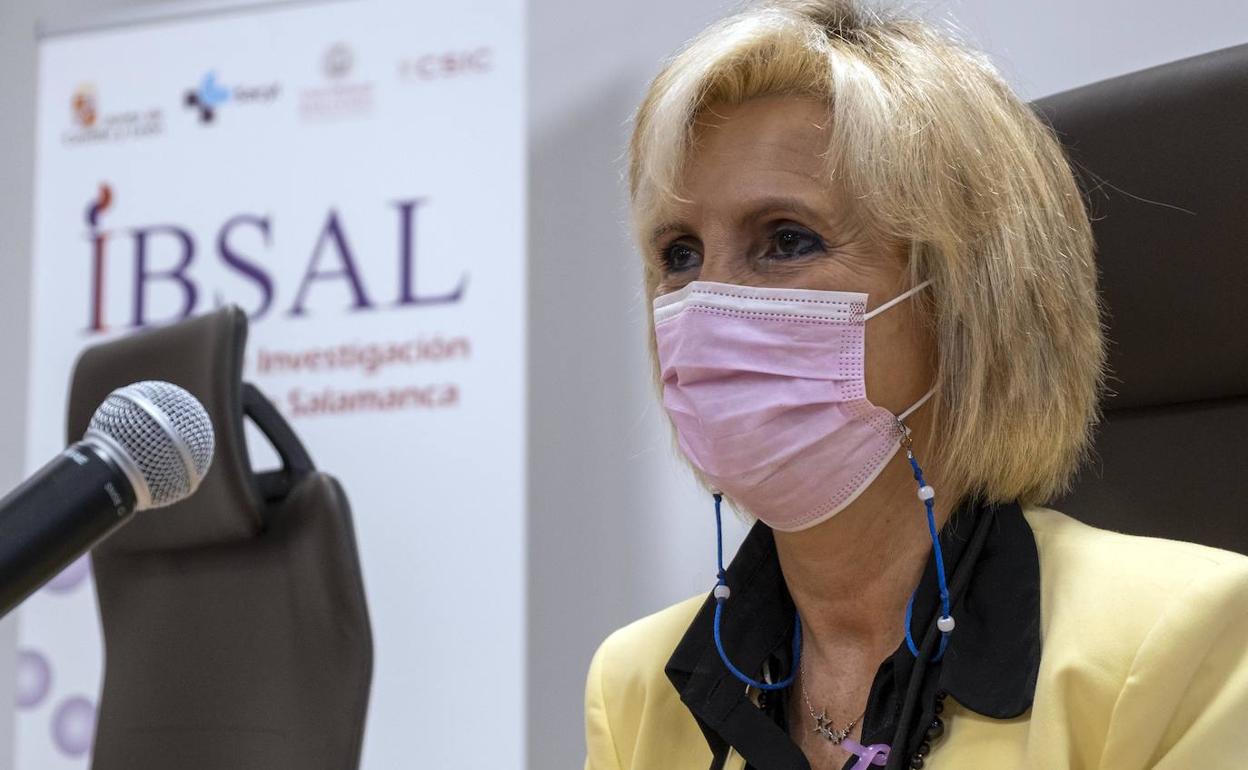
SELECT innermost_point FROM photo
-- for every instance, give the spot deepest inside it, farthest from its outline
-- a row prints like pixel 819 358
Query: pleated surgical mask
pixel 767 392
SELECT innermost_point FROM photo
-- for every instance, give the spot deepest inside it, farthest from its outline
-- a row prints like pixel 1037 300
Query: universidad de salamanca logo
pixel 337 93
pixel 210 95
pixel 162 271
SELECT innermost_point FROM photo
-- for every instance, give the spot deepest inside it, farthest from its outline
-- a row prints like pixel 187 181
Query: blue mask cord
pixel 721 595
pixel 945 621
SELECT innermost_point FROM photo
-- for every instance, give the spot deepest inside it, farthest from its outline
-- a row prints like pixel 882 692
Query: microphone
pixel 148 445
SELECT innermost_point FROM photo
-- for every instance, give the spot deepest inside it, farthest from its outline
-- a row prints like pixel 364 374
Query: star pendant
pixel 824 727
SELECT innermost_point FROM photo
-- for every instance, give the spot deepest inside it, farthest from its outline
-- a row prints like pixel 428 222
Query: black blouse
pixel 989 666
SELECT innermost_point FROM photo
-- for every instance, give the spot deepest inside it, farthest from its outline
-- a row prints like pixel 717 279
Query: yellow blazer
pixel 1161 682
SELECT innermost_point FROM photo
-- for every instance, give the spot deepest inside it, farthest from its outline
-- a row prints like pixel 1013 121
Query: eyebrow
pixel 757 210
pixel 664 229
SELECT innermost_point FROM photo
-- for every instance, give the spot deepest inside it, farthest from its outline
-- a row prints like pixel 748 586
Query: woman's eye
pixel 790 242
pixel 679 257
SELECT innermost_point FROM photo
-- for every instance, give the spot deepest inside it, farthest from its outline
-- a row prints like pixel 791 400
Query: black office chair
pixel 1163 158
pixel 236 630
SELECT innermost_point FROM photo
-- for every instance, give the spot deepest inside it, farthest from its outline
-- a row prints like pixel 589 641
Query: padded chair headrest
pixel 1169 203
pixel 205 356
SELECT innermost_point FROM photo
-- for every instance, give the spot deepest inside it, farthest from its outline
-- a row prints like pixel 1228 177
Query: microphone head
pixel 159 435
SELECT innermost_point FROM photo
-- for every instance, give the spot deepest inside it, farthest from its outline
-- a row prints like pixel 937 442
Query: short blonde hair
pixel 940 154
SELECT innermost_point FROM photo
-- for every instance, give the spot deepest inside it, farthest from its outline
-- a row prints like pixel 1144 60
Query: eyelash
pixel 666 259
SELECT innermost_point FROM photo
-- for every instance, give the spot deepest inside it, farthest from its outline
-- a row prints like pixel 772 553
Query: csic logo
pixel 445 65
pixel 332 262
pixel 209 96
pixel 88 125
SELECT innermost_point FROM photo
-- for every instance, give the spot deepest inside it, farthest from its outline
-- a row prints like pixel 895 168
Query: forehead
pixel 764 147
pixel 777 129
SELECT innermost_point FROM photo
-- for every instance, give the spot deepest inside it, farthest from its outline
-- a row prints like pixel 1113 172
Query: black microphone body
pixel 58 514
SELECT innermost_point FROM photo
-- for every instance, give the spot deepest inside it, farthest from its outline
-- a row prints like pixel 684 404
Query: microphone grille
pixel 164 433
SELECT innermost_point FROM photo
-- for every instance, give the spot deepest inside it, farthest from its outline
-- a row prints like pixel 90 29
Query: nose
pixel 721 265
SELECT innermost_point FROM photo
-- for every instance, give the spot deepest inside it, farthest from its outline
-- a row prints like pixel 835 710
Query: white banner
pixel 352 174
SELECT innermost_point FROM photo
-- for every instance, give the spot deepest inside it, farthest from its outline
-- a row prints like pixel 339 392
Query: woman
pixel 876 331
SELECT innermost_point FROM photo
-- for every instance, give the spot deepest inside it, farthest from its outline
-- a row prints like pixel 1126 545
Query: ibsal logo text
pixel 331 261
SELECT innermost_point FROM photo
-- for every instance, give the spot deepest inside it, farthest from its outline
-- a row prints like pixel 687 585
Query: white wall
pixel 615 532
pixel 616 529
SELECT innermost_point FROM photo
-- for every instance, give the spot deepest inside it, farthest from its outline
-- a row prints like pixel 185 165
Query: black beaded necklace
pixel 936 728
pixel 934 732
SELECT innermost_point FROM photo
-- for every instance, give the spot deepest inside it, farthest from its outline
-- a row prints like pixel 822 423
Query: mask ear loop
pixel 945 622
pixel 895 300
pixel 722 592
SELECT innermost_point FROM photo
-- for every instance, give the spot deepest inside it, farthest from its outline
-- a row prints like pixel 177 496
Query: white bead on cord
pixel 722 592
pixel 945 622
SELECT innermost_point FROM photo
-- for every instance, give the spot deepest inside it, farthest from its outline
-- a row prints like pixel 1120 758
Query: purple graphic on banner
pixel 34 679
pixel 73 726
pixel 71 577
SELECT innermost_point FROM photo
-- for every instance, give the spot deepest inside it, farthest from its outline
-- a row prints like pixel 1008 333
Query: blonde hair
pixel 939 153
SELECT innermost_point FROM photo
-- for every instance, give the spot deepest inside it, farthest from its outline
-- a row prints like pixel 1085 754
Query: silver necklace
pixel 823 725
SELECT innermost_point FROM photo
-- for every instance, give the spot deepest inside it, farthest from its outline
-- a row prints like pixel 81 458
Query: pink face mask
pixel 766 389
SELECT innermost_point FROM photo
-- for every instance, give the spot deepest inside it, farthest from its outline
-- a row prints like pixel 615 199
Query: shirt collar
pixel 990 665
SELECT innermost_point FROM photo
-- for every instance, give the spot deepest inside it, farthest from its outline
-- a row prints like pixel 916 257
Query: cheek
pixel 899 353
pixel 665 286
pixel 850 267
pixel 832 272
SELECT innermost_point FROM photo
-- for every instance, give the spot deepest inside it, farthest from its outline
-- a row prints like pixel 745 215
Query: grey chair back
pixel 235 624
pixel 1162 155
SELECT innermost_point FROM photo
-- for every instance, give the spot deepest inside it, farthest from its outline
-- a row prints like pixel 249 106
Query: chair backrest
pixel 1163 159
pixel 235 624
